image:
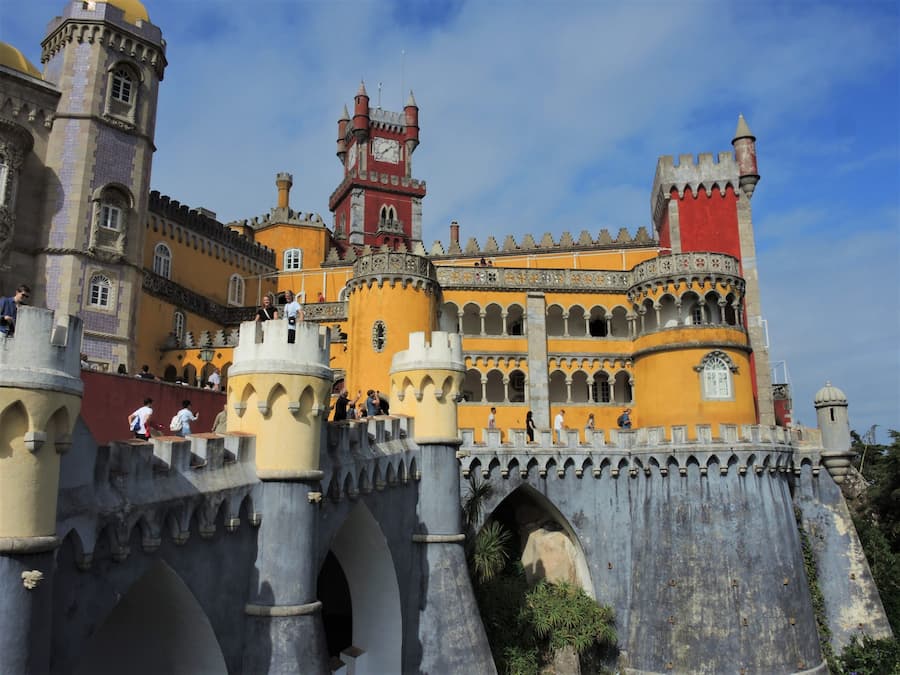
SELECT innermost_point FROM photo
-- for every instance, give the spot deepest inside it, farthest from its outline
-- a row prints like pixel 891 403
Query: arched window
pixel 293 259
pixel 379 336
pixel 100 291
pixel 716 370
pixel 236 290
pixel 162 261
pixel 122 85
pixel 178 326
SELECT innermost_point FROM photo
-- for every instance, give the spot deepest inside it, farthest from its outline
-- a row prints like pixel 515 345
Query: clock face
pixel 386 150
pixel 351 157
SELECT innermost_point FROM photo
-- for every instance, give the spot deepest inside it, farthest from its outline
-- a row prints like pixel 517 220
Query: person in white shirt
pixel 559 423
pixel 294 314
pixel 492 420
pixel 214 379
pixel 187 416
pixel 139 420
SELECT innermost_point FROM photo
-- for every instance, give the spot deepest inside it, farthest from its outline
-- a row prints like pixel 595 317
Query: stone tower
pixel 703 205
pixel 425 384
pixel 279 392
pixel 107 59
pixel 40 397
pixel 378 201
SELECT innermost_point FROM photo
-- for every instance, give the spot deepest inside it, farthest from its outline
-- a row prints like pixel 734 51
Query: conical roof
pixel 829 395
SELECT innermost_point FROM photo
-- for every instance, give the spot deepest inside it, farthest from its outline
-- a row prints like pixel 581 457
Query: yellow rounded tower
pixel 40 397
pixel 280 392
pixel 425 385
pixel 391 295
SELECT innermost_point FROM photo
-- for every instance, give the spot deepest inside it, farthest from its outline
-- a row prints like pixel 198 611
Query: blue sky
pixel 549 116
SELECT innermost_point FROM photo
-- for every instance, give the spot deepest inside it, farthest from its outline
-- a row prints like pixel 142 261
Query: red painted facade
pixel 110 399
pixel 708 222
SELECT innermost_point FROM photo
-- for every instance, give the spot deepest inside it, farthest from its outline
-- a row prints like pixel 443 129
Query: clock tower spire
pixel 378 202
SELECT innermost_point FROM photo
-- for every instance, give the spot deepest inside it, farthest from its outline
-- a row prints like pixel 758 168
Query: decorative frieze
pixel 515 278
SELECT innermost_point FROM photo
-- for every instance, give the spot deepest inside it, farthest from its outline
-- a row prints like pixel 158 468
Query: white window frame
pixel 122 86
pixel 162 261
pixel 716 377
pixel 293 259
pixel 236 291
pixel 100 290
pixel 110 217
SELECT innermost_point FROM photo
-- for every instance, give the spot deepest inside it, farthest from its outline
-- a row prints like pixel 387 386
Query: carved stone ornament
pixel 32 578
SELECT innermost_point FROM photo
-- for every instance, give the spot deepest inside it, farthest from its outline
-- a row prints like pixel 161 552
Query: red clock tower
pixel 378 202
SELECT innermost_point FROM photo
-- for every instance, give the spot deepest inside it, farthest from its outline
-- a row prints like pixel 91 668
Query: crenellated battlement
pixel 44 353
pixel 706 171
pixel 443 352
pixel 393 267
pixel 263 348
pixel 528 244
pixel 280 216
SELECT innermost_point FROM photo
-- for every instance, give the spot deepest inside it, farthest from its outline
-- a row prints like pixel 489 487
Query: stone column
pixel 538 376
pixel 280 392
pixel 40 398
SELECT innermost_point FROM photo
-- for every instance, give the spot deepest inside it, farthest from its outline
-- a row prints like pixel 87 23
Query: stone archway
pixel 157 627
pixel 362 553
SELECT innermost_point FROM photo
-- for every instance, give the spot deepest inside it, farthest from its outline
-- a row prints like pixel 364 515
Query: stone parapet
pixel 160 486
pixel 694 266
pixel 704 171
pixel 263 348
pixel 530 279
pixel 394 267
pixel 443 352
pixel 44 354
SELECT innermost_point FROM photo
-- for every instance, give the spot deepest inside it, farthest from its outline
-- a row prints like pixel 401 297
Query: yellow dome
pixel 133 9
pixel 13 58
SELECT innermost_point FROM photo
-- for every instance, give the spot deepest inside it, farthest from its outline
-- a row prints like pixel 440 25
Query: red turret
pixel 411 132
pixel 342 135
pixel 745 153
pixel 361 113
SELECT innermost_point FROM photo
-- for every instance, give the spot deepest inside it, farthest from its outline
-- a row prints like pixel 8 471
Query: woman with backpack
pixel 181 423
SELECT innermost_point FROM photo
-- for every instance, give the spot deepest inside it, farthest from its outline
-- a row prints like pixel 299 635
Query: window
pixel 236 290
pixel 379 336
pixel 715 372
pixel 697 315
pixel 121 86
pixel 100 291
pixel 293 259
pixel 162 261
pixel 110 217
pixel 178 327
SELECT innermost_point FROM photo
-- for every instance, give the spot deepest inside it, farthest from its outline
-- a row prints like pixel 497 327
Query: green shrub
pixel 871 657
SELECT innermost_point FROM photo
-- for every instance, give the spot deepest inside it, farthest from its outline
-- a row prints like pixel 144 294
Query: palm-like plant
pixel 490 551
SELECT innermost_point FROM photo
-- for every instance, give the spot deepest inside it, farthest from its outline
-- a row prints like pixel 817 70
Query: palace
pixel 667 322
pixel 294 543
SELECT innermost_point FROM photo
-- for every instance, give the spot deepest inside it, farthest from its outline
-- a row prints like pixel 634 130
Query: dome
pixel 133 9
pixel 13 58
pixel 829 395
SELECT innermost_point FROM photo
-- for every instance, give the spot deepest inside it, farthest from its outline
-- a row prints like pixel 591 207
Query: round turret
pixel 744 143
pixel 280 393
pixel 361 113
pixel 342 134
pixel 411 132
pixel 381 283
pixel 284 182
pixel 831 415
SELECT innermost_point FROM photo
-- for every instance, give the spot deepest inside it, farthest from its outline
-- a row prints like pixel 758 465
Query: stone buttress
pixel 40 397
pixel 280 393
pixel 425 384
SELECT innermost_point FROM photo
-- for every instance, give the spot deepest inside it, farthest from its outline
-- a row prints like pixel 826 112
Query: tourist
pixel 344 407
pixel 9 309
pixel 214 379
pixel 384 406
pixel 559 424
pixel 294 314
pixel 529 426
pixel 373 405
pixel 145 373
pixel 624 420
pixel 121 370
pixel 221 422
pixel 266 312
pixel 139 420
pixel 492 419
pixel 185 416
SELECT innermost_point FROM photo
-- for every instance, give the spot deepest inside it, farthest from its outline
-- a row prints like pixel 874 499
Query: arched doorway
pixel 157 627
pixel 360 555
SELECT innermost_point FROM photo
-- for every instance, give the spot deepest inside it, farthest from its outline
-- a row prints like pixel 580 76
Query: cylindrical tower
pixel 40 397
pixel 392 294
pixel 425 383
pixel 361 113
pixel 279 391
pixel 342 135
pixel 744 143
pixel 284 182
pixel 834 423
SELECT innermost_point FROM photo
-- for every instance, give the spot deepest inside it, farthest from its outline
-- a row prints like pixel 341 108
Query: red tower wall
pixel 708 222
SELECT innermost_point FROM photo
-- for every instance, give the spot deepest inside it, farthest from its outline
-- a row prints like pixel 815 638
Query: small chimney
pixel 454 232
pixel 284 181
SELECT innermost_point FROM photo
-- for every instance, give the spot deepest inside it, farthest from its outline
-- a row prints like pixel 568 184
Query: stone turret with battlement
pixel 40 397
